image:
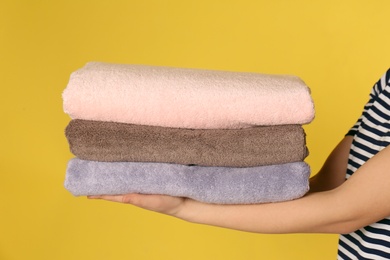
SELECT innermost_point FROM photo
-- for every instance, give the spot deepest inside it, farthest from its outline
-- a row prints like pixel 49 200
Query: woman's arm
pixel 361 200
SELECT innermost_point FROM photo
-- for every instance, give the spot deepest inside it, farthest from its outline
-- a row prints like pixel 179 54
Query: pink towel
pixel 185 98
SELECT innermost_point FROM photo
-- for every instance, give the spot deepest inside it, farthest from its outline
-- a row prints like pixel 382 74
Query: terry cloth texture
pixel 221 185
pixel 255 146
pixel 185 98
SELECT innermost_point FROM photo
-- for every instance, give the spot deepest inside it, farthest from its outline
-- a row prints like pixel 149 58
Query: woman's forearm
pixel 314 213
pixel 332 173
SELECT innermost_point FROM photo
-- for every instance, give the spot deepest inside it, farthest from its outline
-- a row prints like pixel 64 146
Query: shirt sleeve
pixel 375 92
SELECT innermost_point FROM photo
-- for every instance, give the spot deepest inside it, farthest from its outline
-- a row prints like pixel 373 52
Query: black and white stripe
pixel 371 134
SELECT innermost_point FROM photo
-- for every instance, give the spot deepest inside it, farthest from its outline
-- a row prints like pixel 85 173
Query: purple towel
pixel 220 185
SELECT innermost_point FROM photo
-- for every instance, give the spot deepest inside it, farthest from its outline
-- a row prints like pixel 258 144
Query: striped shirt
pixel 371 134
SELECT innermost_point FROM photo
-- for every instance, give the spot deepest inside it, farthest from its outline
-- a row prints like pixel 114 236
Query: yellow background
pixel 339 48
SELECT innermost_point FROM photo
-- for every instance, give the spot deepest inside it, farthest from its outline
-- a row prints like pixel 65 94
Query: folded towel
pixel 185 98
pixel 255 146
pixel 221 185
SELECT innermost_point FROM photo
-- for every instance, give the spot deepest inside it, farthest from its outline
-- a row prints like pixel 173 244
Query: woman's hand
pixel 160 203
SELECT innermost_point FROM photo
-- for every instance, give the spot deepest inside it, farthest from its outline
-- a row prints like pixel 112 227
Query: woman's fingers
pixel 159 203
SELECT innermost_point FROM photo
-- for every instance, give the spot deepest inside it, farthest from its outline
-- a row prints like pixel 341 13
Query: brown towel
pixel 256 146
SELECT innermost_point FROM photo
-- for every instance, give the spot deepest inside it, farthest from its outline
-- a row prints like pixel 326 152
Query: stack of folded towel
pixel 214 136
